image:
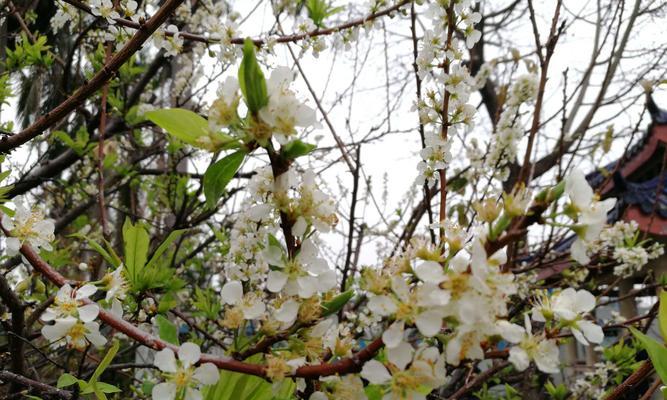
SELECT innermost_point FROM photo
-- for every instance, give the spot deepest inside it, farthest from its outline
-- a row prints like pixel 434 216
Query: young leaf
pixel 656 351
pixel 297 148
pixel 251 79
pixel 136 242
pixel 218 175
pixel 332 306
pixel 164 246
pixel 167 331
pixel 105 362
pixel 180 123
pixel 66 380
pixel 662 315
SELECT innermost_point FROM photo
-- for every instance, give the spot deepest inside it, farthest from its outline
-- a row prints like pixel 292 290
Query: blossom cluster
pixel 444 106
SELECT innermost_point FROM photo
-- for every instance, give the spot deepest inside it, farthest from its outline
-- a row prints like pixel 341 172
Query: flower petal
pixel 164 391
pixel 88 312
pixel 189 353
pixel 393 336
pixel 287 312
pixel 207 374
pixel 429 322
pixel 86 290
pixel 165 360
pixel 382 305
pixel 593 332
pixel 400 355
pixel 275 281
pixel 430 271
pixel 232 292
pixel 374 372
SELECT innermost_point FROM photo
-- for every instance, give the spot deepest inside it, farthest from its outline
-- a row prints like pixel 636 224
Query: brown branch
pixel 343 366
pixel 259 42
pixel 631 381
pixel 7 143
pixel 554 34
pixel 479 379
pixel 35 385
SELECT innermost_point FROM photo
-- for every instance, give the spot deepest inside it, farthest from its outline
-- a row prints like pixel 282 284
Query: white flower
pixel 544 352
pixel 27 226
pixel 287 312
pixel 71 303
pixel 569 307
pixel 284 112
pixel 591 213
pixel 104 9
pixel 76 332
pixel 73 318
pixel 306 275
pixel 421 308
pixel 115 284
pixel 252 306
pixel 411 371
pixel 181 374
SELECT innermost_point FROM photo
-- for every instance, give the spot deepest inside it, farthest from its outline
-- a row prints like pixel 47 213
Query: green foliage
pixel 622 355
pixel 662 315
pixel 207 303
pixel 319 10
pixel 190 128
pixel 296 148
pixel 656 351
pixel 93 385
pixel 556 392
pixel 107 252
pixel 142 273
pixel 334 305
pixel 167 330
pixel 218 175
pixel 251 79
pixel 27 54
pixel 487 394
pixel 237 386
pixel 80 143
pixel 5 89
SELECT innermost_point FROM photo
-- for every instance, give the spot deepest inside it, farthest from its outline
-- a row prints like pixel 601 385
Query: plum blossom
pixel 29 227
pixel 305 275
pixel 407 371
pixel 250 304
pixel 421 307
pixel 569 308
pixel 182 377
pixel 544 352
pixel 285 112
pixel 73 318
pixel 591 213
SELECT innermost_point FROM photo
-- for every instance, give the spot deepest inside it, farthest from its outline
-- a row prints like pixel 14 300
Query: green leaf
pixel 374 392
pixel 164 246
pixel 332 306
pixel 107 388
pixel 105 362
pixel 136 241
pixel 662 315
pixel 66 380
pixel 218 175
pixel 251 79
pixel 656 351
pixel 109 256
pixel 296 148
pixel 181 123
pixel 167 302
pixel 167 331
